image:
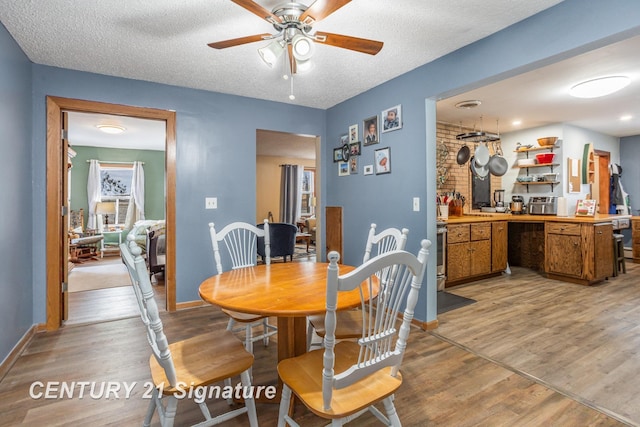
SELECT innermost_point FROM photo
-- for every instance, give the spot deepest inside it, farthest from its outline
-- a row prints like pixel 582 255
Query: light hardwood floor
pixel 531 351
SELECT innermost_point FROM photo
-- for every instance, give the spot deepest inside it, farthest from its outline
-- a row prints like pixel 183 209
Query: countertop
pixel 484 217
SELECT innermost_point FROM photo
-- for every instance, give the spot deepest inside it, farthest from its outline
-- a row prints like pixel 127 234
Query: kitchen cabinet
pixel 635 239
pixel 541 167
pixel 469 251
pixel 580 253
pixel 499 245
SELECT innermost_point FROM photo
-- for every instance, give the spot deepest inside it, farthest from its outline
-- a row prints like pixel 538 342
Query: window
pixel 308 207
pixel 116 187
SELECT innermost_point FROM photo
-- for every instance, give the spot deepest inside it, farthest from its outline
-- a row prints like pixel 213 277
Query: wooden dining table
pixel 289 291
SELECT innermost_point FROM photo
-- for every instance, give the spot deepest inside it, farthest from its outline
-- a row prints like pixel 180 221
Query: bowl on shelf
pixel 550 177
pixel 544 158
pixel 549 140
pixel 525 178
pixel 526 162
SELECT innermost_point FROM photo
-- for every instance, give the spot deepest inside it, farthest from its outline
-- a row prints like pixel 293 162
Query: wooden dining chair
pixel 344 380
pixel 387 240
pixel 240 239
pixel 180 368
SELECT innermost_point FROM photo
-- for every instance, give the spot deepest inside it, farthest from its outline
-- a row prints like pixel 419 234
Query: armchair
pixel 310 227
pixel 155 251
pixel 82 243
pixel 282 239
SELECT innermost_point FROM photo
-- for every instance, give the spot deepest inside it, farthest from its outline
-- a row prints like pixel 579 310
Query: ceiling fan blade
pixel 348 42
pixel 320 9
pixel 292 60
pixel 237 42
pixel 258 10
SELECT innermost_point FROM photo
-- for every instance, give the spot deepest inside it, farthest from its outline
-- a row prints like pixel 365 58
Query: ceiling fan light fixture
pixel 271 53
pixel 602 86
pixel 303 47
pixel 111 129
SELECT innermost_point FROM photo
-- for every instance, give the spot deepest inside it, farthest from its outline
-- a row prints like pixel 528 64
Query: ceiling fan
pixel 293 23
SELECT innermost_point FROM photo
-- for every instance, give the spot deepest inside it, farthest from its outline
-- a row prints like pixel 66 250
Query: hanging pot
pixel 479 172
pixel 497 164
pixel 482 155
pixel 463 155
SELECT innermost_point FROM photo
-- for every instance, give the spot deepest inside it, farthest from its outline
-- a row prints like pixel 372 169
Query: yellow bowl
pixel 550 140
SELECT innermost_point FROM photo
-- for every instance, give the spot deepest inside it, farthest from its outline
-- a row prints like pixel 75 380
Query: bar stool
pixel 618 255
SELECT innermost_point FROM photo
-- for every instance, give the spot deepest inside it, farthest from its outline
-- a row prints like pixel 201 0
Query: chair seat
pixel 348 324
pixel 303 375
pixel 242 317
pixel 204 359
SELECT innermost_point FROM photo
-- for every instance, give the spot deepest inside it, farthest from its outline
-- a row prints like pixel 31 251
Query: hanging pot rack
pixel 478 136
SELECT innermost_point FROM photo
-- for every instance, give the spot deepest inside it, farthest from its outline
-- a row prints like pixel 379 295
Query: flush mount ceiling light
pixel 466 105
pixel 599 87
pixel 112 129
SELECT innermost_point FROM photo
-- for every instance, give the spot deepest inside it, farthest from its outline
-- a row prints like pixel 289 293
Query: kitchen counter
pixel 483 217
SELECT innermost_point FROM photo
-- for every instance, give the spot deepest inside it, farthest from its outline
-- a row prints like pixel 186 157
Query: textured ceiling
pixel 166 41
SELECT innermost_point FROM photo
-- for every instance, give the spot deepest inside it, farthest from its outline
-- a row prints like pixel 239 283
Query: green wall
pixel 154 170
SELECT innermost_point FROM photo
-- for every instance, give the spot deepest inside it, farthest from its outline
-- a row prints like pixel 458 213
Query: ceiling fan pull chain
pixel 292 96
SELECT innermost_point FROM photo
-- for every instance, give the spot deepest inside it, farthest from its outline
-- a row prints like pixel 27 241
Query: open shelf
pixel 527 184
pixel 538 165
pixel 544 147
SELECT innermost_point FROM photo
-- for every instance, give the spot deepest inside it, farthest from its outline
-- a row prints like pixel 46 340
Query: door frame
pixel 56 167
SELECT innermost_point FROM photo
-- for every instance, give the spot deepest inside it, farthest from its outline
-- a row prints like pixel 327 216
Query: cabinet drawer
pixel 563 228
pixel 480 231
pixel 458 233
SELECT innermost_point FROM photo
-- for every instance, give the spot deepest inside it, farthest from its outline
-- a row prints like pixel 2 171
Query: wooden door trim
pixel 55 167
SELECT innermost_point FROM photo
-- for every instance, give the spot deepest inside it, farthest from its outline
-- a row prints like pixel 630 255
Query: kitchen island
pixel 572 249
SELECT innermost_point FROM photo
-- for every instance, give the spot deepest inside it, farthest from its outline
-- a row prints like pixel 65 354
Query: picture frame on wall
pixel 353 133
pixel 354 149
pixel 344 139
pixel 370 131
pixel 337 154
pixel 382 158
pixel 343 168
pixel 392 118
pixel 353 165
pixel 368 170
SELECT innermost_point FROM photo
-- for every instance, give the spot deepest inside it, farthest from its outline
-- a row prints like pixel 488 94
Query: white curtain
pixel 94 192
pixel 135 210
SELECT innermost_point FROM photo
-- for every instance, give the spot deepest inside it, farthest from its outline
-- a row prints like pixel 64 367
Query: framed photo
pixel 382 159
pixel 353 165
pixel 337 154
pixel 346 152
pixel 354 149
pixel 368 170
pixel 370 130
pixel 343 168
pixel 353 133
pixel 392 118
pixel 344 139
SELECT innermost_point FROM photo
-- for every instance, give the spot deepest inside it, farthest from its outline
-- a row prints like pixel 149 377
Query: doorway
pixel 56 239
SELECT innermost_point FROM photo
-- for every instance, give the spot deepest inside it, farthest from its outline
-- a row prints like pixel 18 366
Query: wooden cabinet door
pixel 333 224
pixel 457 261
pixel 564 254
pixel 480 257
pixel 499 237
pixel 603 250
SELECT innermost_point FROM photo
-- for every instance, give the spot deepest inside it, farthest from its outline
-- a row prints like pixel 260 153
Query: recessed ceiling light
pixel 599 87
pixel 626 117
pixel 465 105
pixel 516 122
pixel 112 129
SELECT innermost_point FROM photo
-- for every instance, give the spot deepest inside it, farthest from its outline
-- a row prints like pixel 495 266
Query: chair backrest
pixel 387 240
pixel 282 239
pixel 241 240
pixel 382 343
pixel 132 257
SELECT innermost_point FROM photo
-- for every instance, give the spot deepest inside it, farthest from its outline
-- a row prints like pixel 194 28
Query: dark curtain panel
pixel 290 193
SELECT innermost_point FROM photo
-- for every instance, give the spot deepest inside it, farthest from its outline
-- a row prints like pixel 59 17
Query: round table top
pixel 280 289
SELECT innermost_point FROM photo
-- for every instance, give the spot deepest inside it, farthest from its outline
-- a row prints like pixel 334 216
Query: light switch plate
pixel 211 203
pixel 416 204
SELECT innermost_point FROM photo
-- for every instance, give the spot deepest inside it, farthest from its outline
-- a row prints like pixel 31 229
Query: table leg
pixel 292 337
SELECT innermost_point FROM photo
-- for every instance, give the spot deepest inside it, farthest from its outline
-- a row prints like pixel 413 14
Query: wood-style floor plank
pixel 530 352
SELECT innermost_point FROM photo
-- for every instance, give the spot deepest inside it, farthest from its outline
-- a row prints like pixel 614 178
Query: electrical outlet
pixel 211 203
pixel 416 204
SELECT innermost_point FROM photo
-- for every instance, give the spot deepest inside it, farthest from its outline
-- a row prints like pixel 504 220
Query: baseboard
pixel 427 326
pixel 189 304
pixel 12 357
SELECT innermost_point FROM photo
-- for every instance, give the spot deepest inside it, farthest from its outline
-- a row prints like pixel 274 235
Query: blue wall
pixel 578 26
pixel 216 156
pixel 16 294
pixel 630 178
pixel 216 146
